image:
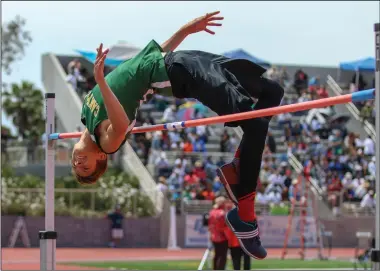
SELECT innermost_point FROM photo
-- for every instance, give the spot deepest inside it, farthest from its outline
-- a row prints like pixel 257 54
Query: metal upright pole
pixel 375 255
pixel 48 236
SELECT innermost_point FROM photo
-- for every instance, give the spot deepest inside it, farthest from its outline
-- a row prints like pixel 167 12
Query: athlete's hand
pixel 99 64
pixel 202 23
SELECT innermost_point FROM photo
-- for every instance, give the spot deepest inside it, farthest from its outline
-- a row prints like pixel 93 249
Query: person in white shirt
pixel 369 146
pixel 368 202
pixel 169 115
pixel 161 186
pixel 372 166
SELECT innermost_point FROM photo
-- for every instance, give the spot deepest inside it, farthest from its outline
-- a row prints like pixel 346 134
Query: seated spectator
pixel 217 186
pixel 224 142
pixel 372 166
pixel 161 185
pixel 366 111
pixel 300 81
pixel 186 146
pixel 271 142
pixel 284 77
pixel 368 202
pixel 169 114
pixel 322 92
pixel 198 144
pixel 285 119
pixel 162 165
pixel 369 146
pixel 199 171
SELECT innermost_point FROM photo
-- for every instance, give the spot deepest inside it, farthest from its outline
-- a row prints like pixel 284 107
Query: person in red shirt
pixel 235 250
pixel 217 227
pixel 322 92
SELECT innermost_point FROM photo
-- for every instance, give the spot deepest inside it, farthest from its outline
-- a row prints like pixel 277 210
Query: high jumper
pixel 226 86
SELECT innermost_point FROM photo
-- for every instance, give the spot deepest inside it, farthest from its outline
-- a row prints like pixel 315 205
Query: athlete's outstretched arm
pixel 197 25
pixel 116 113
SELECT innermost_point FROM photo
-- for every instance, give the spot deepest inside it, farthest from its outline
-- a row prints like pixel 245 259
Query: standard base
pixel 174 248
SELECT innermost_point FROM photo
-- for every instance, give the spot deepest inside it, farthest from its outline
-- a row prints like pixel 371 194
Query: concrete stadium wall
pixel 147 232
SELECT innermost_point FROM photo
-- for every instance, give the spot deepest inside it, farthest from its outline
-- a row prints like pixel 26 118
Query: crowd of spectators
pixel 342 164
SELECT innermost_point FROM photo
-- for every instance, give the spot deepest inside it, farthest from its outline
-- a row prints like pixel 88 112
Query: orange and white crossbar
pixel 354 97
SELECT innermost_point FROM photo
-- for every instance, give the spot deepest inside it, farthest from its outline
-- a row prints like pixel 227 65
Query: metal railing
pixel 368 127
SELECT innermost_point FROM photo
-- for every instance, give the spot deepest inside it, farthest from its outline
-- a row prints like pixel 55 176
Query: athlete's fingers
pixel 101 62
pixel 213 24
pixel 99 50
pixel 215 19
pixel 208 15
pixel 209 31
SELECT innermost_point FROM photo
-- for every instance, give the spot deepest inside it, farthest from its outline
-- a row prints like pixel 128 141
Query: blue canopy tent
pixel 118 54
pixel 241 54
pixel 366 64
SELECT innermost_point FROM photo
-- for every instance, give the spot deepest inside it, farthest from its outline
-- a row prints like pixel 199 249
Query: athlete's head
pixel 88 163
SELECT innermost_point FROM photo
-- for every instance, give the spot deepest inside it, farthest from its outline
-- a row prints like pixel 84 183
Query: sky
pixel 308 33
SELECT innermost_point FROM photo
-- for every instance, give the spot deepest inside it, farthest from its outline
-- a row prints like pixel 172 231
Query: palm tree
pixel 24 104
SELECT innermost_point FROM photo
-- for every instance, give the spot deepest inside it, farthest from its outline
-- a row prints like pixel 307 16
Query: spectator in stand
pixel 372 166
pixel 217 186
pixel 366 111
pixel 169 114
pixel 359 84
pixel 199 171
pixel 161 186
pixel 368 203
pixel 162 165
pixel 275 188
pixel 233 143
pixel 369 146
pixel 313 85
pixel 271 142
pixel 285 119
pixel 284 77
pixel 217 227
pixel 300 81
pixel 186 146
pixel 224 142
pixel 322 92
pixel 198 144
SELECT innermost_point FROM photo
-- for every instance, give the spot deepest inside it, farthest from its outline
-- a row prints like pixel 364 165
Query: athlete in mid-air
pixel 226 86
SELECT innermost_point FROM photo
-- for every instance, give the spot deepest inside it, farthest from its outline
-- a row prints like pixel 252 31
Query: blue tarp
pixel 241 54
pixel 91 56
pixel 365 64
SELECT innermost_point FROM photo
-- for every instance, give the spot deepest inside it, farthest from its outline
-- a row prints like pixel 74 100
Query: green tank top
pixel 131 82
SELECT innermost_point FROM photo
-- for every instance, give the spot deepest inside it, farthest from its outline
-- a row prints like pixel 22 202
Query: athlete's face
pixel 83 161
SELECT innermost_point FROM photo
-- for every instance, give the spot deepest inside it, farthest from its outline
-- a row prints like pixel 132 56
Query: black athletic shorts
pixel 226 86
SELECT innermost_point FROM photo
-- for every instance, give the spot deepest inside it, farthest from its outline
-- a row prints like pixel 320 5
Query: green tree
pixel 24 105
pixel 14 40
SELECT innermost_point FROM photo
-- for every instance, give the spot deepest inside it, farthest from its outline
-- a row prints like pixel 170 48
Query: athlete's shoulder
pixel 152 46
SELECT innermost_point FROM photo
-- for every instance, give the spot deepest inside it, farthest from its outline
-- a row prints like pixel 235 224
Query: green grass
pixel 193 265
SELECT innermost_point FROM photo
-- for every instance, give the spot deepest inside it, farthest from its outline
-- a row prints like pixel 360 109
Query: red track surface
pixel 28 258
